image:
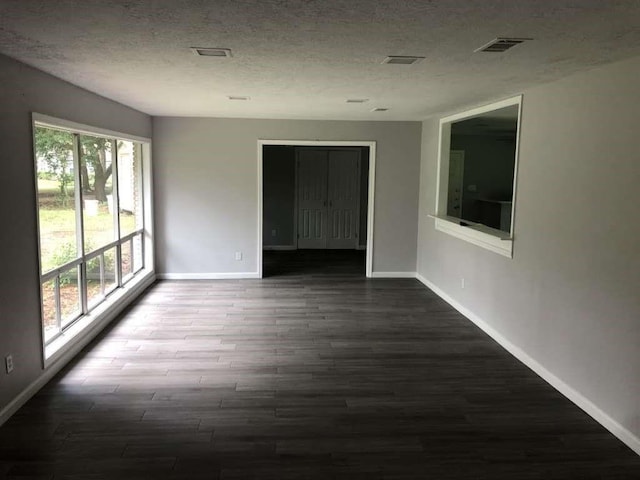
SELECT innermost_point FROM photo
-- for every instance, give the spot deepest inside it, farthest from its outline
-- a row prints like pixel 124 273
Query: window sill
pixel 489 238
pixel 83 331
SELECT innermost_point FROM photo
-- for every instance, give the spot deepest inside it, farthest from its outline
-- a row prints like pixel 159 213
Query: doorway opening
pixel 316 207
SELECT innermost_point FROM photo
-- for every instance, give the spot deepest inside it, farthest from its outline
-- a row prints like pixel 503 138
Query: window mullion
pixel 142 250
pixel 102 274
pixel 82 268
pixel 56 293
pixel 139 169
pixel 115 195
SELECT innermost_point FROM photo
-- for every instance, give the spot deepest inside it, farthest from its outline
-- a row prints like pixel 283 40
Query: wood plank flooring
pixel 302 376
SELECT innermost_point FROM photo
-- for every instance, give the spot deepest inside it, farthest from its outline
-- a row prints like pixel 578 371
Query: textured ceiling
pixel 304 59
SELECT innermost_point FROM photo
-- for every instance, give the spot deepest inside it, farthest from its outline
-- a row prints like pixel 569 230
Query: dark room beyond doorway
pixel 315 206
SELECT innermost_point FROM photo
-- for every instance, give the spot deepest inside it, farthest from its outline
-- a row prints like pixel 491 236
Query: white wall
pixel 570 297
pixel 206 188
pixel 24 90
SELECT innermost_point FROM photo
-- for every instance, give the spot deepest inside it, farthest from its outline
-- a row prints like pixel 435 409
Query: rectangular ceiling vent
pixel 238 97
pixel 357 100
pixel 211 52
pixel 379 109
pixel 401 60
pixel 501 44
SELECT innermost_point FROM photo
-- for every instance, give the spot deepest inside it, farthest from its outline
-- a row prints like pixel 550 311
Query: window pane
pixel 110 283
pixel 127 267
pixel 49 323
pixel 56 204
pixel 138 261
pixel 101 277
pixel 481 168
pixel 129 186
pixel 94 293
pixel 95 174
pixel 69 296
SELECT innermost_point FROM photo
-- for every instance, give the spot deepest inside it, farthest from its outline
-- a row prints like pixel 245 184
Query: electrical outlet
pixel 238 255
pixel 8 363
pixel 462 282
pixel 273 232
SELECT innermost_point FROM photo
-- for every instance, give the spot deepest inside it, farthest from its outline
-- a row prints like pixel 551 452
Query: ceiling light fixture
pixel 401 60
pixel 235 97
pixel 379 109
pixel 357 100
pixel 501 44
pixel 211 52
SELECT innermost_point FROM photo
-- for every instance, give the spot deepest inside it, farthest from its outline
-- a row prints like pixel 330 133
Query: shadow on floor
pixel 321 262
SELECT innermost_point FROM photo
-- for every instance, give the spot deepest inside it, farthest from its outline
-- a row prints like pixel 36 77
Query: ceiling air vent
pixel 401 60
pixel 357 100
pixel 237 97
pixel 379 109
pixel 211 52
pixel 501 44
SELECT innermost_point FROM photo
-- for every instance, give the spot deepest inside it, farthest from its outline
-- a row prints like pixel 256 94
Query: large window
pixel 477 175
pixel 91 221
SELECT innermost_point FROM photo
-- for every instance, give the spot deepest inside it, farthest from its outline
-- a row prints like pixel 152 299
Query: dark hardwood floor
pixel 302 375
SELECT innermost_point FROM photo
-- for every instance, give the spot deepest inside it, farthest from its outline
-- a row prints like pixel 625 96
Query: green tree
pixel 55 148
pixel 93 163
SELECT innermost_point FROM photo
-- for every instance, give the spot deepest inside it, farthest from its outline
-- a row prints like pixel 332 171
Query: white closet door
pixel 312 198
pixel 343 198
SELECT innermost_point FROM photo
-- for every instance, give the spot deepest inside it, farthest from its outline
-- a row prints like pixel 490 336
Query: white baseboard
pixel 393 275
pixel 631 440
pixel 279 247
pixel 207 276
pixel 60 359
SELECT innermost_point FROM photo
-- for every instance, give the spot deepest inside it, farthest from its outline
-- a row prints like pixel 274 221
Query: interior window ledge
pixel 489 238
pixel 98 318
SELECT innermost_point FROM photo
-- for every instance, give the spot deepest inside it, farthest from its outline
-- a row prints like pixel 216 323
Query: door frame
pixel 323 143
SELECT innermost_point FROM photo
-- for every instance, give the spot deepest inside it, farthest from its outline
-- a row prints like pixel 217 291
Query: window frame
pixel 109 300
pixel 492 239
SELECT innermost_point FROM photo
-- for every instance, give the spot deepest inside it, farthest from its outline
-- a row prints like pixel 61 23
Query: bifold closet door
pixel 312 198
pixel 343 199
pixel 328 198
